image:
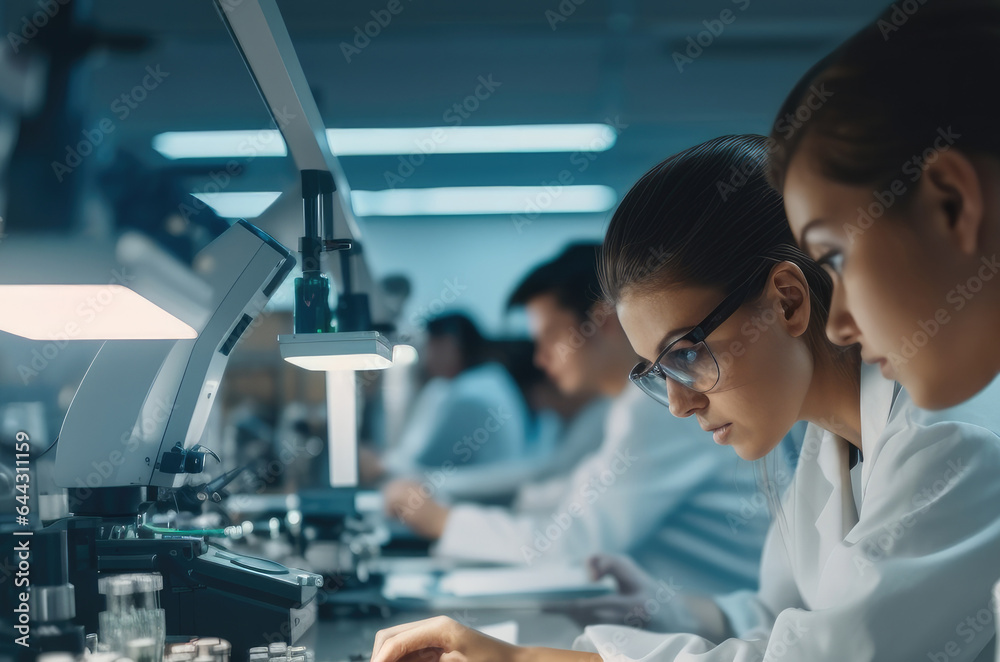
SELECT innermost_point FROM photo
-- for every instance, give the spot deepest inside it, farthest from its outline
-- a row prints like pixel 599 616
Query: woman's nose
pixel 840 326
pixel 684 401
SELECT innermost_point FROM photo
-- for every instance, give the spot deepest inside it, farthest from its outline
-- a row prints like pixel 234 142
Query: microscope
pixel 135 425
pixel 133 429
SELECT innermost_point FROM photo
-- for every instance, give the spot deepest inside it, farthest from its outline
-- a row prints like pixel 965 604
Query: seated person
pixel 536 481
pixel 565 428
pixel 657 488
pixel 470 411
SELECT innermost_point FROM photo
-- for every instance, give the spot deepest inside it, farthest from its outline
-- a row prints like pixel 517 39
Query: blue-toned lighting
pixel 219 144
pixel 475 200
pixel 234 204
pixel 525 138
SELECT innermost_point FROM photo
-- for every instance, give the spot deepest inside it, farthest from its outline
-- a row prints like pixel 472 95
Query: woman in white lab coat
pixel 888 156
pixel 890 561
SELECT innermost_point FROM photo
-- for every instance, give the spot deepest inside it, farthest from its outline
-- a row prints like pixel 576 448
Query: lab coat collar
pixel 878 396
pixel 833 500
pixel 837 511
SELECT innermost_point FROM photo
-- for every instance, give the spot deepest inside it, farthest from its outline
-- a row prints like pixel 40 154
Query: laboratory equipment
pixel 145 649
pixel 133 614
pixel 162 392
pixel 52 595
pixel 202 649
pixel 154 396
pixel 329 226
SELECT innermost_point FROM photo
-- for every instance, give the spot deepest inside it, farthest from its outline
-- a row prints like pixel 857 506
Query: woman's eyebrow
pixel 805 231
pixel 666 340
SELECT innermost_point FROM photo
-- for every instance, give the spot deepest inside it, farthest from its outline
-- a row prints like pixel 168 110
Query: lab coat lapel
pixel 830 482
pixel 877 397
pixel 837 515
pixel 829 475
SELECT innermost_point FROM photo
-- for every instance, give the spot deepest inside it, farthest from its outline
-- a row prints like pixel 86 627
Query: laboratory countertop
pixel 350 639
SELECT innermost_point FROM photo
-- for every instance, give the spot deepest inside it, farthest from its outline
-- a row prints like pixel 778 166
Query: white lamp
pixel 348 350
pixel 86 312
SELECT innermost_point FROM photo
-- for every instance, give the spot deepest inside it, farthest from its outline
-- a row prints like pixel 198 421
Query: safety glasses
pixel 692 366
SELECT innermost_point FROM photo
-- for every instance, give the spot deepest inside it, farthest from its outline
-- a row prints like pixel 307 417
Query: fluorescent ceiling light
pixel 523 138
pixel 249 204
pixel 361 350
pixel 473 200
pixel 219 144
pixel 86 312
pixel 473 139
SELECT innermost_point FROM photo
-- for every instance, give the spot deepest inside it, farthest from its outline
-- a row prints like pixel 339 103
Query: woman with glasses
pixel 890 520
pixel 893 182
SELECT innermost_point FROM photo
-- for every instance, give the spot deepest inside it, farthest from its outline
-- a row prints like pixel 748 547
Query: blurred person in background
pixel 469 412
pixel 657 488
pixel 564 428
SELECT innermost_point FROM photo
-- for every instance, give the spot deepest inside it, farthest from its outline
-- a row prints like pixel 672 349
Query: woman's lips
pixel 872 360
pixel 883 365
pixel 719 434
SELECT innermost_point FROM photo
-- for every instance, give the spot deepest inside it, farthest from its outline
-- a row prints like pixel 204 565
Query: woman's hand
pixel 406 501
pixel 637 591
pixel 442 639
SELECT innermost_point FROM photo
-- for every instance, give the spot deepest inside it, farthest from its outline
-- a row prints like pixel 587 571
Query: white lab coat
pixel 535 476
pixel 898 583
pixel 476 418
pixel 658 489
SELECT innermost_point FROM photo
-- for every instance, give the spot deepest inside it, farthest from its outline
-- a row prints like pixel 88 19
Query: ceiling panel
pixel 609 60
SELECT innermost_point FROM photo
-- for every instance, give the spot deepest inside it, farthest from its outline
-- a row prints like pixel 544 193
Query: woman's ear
pixel 953 192
pixel 790 299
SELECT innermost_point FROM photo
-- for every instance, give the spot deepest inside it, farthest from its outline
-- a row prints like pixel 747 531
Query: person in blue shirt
pixel 470 411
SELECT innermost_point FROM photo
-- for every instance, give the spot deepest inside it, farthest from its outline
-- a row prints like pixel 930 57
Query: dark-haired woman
pixel 893 183
pixel 882 559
